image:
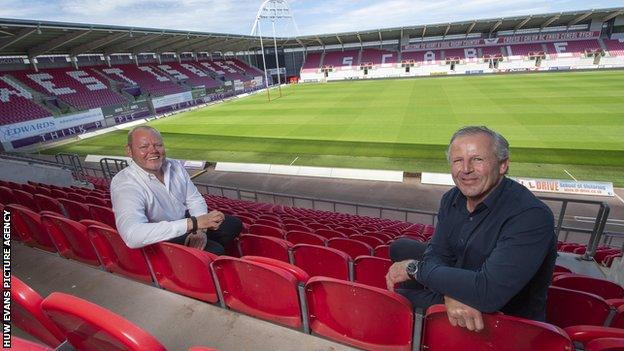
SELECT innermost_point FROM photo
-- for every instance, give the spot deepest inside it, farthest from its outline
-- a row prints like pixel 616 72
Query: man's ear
pixel 503 166
pixel 129 151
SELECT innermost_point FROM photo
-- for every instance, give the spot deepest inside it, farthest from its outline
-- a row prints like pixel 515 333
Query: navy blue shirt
pixel 500 257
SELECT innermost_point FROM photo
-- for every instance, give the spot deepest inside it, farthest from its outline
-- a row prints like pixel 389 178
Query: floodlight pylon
pixel 272 10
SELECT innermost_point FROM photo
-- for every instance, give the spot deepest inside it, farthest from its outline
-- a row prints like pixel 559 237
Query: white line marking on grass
pixel 571 176
pixel 296 158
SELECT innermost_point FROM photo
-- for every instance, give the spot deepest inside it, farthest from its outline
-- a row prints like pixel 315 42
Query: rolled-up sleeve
pixel 132 223
pixel 519 252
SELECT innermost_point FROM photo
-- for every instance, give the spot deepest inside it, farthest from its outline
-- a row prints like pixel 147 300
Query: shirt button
pixel 471 219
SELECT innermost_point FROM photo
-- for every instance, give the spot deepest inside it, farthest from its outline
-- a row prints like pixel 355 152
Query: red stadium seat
pixel 75 210
pixel 566 307
pixel 359 315
pixel 601 287
pixel 103 214
pixel 329 234
pixel 268 222
pixel 116 257
pixel 262 288
pixel 265 230
pixel 183 270
pixel 382 251
pixel 372 241
pixel 6 196
pixel 28 315
pixel 500 332
pixel 321 261
pixel 265 246
pixel 47 203
pixel 27 224
pixel 371 271
pixel 94 200
pixel 297 237
pixel 25 199
pixel 297 227
pixel 351 247
pixel 91 327
pixel 71 239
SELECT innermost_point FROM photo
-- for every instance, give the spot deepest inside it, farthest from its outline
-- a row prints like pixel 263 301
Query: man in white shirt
pixel 155 200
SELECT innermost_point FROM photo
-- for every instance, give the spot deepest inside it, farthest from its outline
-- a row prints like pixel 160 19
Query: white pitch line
pixel 296 158
pixel 565 170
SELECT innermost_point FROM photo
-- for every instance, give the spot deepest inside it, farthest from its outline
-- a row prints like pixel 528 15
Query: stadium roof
pixel 34 38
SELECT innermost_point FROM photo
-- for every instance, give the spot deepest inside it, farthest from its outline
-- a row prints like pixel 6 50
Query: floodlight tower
pixel 272 10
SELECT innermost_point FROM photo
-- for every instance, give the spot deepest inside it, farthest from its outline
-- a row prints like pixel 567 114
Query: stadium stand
pixel 430 57
pixel 466 54
pixel 189 73
pixel 383 58
pixel 524 50
pixel 344 60
pixel 16 103
pixel 81 88
pixel 312 63
pixel 572 48
pixel 615 47
pixel 148 78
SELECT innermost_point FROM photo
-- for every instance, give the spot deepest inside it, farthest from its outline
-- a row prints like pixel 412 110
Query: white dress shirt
pixel 148 211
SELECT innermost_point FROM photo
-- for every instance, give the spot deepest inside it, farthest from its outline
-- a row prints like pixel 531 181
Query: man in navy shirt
pixel 494 247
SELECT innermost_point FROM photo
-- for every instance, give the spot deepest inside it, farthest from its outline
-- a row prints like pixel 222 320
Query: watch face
pixel 412 267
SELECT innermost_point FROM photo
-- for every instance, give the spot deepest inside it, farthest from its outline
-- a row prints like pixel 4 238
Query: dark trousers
pixel 218 239
pixel 420 297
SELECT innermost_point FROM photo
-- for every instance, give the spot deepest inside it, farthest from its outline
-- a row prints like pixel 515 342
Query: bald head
pixel 141 128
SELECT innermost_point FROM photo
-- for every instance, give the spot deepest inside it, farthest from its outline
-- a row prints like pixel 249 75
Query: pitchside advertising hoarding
pixel 503 40
pixel 538 185
pixel 125 109
pixel 23 130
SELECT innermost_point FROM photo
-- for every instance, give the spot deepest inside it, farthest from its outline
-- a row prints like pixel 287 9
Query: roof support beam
pixel 422 37
pixel 579 18
pixel 549 21
pixel 55 43
pixel 495 27
pixel 471 27
pixel 4 42
pixel 97 43
pixel 521 24
pixel 448 27
pixel 612 15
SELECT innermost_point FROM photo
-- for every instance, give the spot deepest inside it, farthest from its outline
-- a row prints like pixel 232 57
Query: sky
pixel 311 16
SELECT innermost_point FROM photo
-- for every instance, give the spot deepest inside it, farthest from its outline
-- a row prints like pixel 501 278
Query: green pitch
pixel 555 122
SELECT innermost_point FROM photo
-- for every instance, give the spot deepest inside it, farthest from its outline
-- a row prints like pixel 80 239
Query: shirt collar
pixel 134 166
pixel 489 201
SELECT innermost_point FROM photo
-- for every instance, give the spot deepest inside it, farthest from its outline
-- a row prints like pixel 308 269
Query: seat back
pixel 27 225
pixel 265 230
pixel 47 203
pixel 6 196
pixel 500 332
pixel 371 271
pixel 19 344
pixel 297 237
pixel 321 261
pixel 359 315
pixel 116 256
pixel 329 234
pixel 75 210
pixel 265 246
pixel 260 289
pixel 95 200
pixel 25 199
pixel 566 307
pixel 91 327
pixel 27 314
pixel 351 247
pixel 102 214
pixel 372 241
pixel 601 287
pixel 183 270
pixel 382 251
pixel 71 239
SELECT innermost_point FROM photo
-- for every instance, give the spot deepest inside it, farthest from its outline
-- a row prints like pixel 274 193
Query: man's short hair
pixel 131 132
pixel 500 144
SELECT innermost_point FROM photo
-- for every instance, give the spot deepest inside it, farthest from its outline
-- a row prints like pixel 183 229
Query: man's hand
pixel 397 274
pixel 211 220
pixel 196 240
pixel 463 315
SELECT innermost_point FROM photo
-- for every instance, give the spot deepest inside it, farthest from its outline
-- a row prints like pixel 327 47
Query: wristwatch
pixel 412 269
